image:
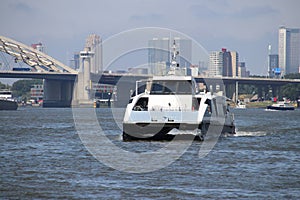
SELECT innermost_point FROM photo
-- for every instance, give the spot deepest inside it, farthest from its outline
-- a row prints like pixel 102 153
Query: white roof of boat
pixel 172 77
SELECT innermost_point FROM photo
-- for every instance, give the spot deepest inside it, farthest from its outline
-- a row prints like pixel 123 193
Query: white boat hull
pixel 162 131
pixel 280 108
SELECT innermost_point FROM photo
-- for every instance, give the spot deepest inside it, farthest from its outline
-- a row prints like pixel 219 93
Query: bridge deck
pixel 111 78
pixel 38 75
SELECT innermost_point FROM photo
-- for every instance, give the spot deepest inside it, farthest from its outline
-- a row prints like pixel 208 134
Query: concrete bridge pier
pixel 215 86
pixel 230 91
pixel 260 91
pixel 83 85
pixel 275 90
pixel 58 93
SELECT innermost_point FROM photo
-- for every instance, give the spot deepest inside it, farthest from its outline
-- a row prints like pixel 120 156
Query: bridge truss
pixel 36 60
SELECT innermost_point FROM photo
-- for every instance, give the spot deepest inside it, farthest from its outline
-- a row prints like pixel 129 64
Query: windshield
pixel 171 87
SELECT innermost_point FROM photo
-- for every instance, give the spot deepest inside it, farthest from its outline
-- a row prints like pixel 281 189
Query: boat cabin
pixel 166 93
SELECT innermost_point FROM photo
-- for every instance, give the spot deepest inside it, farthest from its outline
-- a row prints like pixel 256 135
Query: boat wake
pixel 270 110
pixel 175 131
pixel 249 134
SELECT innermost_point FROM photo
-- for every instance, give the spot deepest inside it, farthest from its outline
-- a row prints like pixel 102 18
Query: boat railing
pixel 161 108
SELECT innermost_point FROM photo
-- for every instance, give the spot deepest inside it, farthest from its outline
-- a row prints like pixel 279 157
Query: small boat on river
pixel 6 101
pixel 281 105
pixel 240 105
pixel 163 103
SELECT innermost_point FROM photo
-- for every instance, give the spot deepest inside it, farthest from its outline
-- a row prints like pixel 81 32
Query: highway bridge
pixel 64 83
pixel 113 78
pixel 229 85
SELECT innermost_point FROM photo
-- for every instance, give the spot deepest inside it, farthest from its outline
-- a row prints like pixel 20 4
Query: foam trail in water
pixel 175 131
pixel 270 110
pixel 247 133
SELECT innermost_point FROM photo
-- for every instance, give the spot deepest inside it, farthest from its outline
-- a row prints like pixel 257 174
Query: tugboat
pixel 162 104
pixel 6 101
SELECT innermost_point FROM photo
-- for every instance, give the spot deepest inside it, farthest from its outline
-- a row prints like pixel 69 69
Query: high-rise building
pixel 242 70
pixel 223 63
pixel 227 64
pixel 184 47
pixel 94 44
pixel 215 64
pixel 234 62
pixel 289 49
pixel 75 61
pixel 159 54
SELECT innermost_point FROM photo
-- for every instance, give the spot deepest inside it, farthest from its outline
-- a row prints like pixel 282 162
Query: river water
pixel 43 157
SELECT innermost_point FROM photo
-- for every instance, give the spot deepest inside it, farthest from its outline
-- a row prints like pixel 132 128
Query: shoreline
pixel 260 104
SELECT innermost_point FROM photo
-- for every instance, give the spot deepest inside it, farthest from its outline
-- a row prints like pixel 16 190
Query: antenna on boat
pixel 175 53
pixel 174 63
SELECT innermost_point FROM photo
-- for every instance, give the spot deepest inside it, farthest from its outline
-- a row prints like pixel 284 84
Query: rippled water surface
pixel 42 156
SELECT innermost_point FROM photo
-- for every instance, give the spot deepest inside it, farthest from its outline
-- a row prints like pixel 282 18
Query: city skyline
pixel 245 27
pixel 160 50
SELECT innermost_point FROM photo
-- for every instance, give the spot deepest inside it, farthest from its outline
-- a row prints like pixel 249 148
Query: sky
pixel 247 27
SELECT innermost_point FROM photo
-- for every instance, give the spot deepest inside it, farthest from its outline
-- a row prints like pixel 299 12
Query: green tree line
pixel 290 91
pixel 21 88
pixel 4 86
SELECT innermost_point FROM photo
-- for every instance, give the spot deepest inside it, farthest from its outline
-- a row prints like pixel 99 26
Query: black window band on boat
pixel 172 87
pixel 141 104
pixel 141 89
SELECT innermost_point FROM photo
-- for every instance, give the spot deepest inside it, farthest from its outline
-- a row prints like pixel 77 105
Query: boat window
pixel 157 88
pixel 208 109
pixel 141 89
pixel 199 100
pixel 195 103
pixel 5 93
pixel 171 87
pixel 141 104
pixel 184 87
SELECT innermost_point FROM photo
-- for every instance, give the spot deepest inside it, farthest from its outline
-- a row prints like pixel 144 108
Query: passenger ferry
pixel 6 101
pixel 163 104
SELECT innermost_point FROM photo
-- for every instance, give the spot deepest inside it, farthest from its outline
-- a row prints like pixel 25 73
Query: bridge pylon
pixel 83 84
